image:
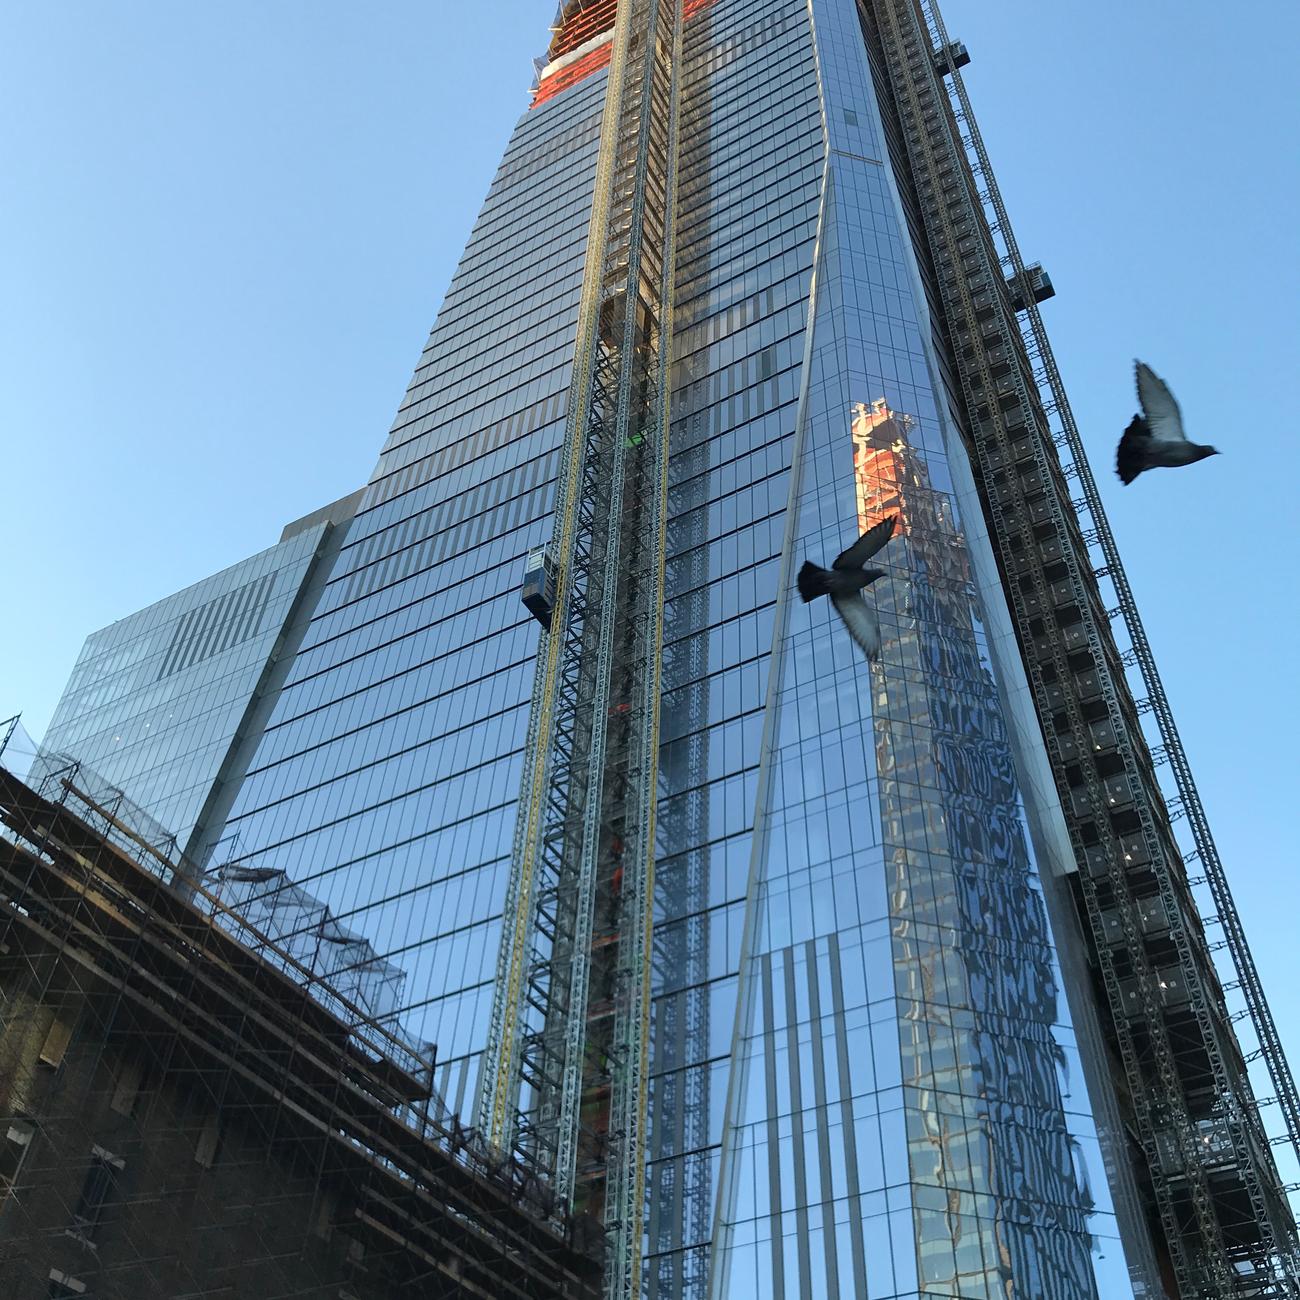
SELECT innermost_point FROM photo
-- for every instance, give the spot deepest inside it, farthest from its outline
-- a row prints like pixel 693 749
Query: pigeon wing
pixel 861 621
pixel 867 545
pixel 1162 414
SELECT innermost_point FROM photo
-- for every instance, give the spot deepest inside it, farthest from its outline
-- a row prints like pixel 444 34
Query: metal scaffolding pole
pixel 131 1013
pixel 565 1074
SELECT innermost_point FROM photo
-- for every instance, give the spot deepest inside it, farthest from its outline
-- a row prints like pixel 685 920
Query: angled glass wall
pixel 752 156
pixel 902 1109
pixel 386 781
pixel 157 701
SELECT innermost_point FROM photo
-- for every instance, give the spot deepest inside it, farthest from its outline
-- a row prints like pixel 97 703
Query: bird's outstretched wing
pixel 1162 414
pixel 867 545
pixel 861 620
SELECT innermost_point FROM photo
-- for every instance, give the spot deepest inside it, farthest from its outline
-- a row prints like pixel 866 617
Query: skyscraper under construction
pixel 797 974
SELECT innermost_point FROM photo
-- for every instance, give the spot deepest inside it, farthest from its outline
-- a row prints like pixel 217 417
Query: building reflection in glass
pixel 1000 1205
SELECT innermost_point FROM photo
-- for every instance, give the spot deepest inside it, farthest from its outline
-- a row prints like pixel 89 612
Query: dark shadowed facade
pixel 185 1115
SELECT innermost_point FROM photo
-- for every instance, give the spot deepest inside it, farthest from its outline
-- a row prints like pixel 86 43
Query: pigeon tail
pixel 1130 460
pixel 813 581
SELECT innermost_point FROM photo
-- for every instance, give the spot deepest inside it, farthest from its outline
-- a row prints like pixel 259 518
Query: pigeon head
pixel 1203 452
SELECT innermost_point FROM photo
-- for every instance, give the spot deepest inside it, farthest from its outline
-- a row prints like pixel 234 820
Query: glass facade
pixel 864 1077
pixel 889 1113
pixel 386 781
pixel 158 701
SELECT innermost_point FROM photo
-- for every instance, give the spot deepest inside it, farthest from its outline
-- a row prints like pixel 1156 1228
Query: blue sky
pixel 227 228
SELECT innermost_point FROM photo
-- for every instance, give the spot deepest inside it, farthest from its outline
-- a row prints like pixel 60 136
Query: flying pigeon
pixel 1156 437
pixel 843 583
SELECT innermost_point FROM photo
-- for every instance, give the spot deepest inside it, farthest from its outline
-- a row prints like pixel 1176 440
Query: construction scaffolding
pixel 159 1052
pixel 565 1077
pixel 343 965
pixel 1216 1200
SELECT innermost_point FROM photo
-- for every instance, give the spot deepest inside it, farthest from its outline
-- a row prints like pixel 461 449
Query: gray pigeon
pixel 1155 438
pixel 843 583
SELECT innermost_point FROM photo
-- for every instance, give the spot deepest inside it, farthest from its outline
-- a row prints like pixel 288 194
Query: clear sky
pixel 227 226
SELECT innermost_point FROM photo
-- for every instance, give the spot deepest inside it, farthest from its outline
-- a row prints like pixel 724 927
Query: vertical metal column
pixel 1196 1156
pixel 565 1074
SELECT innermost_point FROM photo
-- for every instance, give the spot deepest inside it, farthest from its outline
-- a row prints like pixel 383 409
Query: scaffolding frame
pixel 566 1073
pixel 1149 692
pixel 1146 932
pixel 99 947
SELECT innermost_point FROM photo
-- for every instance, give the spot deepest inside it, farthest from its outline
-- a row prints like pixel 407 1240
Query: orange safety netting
pixel 582 20
pixel 568 76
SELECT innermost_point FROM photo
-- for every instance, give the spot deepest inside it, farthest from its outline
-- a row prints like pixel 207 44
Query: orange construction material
pixel 571 74
pixel 582 20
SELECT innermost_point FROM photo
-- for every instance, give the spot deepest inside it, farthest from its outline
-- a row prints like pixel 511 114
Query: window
pixel 205 1150
pixel 127 1087
pixel 101 1178
pixel 56 1043
pixel 13 1151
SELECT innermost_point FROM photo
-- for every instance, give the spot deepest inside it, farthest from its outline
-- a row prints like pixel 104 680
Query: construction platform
pixel 182 1114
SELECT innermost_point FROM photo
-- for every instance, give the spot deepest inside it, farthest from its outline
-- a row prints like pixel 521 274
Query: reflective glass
pixel 864 1077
